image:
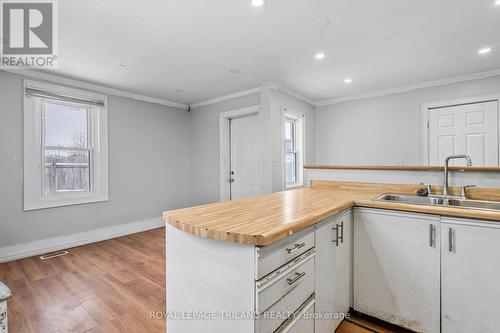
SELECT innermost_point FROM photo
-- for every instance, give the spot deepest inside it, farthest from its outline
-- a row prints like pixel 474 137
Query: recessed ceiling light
pixel 258 3
pixel 348 81
pixel 234 71
pixel 323 22
pixel 484 50
pixel 497 3
pixel 320 56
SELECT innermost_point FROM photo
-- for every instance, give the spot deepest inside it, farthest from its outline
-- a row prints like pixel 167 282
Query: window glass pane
pixel 66 171
pixel 288 130
pixel 290 167
pixel 65 125
pixel 289 136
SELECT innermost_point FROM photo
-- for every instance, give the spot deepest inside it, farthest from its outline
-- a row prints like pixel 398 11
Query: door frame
pixel 224 154
pixel 428 107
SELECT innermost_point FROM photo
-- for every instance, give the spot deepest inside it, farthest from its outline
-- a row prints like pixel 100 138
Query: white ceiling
pixel 192 44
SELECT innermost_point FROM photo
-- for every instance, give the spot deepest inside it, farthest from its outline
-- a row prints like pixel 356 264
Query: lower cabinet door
pixel 343 267
pixel 333 271
pixel 325 275
pixel 397 268
pixel 470 276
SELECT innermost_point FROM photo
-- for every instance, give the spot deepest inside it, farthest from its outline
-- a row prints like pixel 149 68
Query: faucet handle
pixel 428 187
pixel 463 192
pixel 425 191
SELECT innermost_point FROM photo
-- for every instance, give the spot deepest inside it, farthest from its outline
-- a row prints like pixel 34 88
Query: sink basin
pixel 436 200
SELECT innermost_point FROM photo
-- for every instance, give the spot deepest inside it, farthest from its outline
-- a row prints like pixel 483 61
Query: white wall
pixel 204 142
pixel 383 130
pixel 279 100
pixel 204 147
pixel 148 169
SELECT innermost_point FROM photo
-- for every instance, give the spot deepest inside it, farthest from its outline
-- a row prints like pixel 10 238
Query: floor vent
pixel 53 255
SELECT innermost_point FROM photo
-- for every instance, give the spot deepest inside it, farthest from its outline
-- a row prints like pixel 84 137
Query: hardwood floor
pixel 360 323
pixel 110 286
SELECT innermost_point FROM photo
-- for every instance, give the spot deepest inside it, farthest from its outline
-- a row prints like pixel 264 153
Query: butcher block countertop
pixel 265 219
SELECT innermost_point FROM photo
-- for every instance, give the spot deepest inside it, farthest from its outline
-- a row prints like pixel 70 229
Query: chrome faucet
pixel 446 162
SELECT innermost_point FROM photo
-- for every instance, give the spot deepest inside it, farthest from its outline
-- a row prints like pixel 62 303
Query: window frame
pixel 97 137
pixel 298 119
pixel 293 151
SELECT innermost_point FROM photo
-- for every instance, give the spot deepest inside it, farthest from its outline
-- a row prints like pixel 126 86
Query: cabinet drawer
pixel 297 276
pixel 273 317
pixel 302 321
pixel 276 255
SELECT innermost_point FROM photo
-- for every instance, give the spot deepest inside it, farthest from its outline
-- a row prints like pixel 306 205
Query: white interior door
pixel 465 129
pixel 245 157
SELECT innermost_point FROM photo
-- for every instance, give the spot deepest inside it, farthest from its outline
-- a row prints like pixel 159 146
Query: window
pixel 293 148
pixel 290 151
pixel 65 146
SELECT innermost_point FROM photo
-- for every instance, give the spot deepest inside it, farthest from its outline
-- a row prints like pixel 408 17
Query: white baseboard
pixel 30 249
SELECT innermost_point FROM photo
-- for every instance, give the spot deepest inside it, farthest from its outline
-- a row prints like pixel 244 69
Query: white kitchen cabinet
pixel 397 268
pixel 470 276
pixel 333 270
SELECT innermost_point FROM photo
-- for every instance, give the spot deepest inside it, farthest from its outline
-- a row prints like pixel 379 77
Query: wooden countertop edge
pixel 259 239
pixel 399 168
pixel 275 235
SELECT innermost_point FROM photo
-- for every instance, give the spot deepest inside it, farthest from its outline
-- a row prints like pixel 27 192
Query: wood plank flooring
pixel 110 286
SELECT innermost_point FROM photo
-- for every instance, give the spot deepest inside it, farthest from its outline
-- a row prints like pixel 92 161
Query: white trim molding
pixel 48 245
pixel 291 93
pixel 422 85
pixel 271 85
pixel 51 78
pixel 225 98
pixel 33 163
pixel 427 107
pixel 300 119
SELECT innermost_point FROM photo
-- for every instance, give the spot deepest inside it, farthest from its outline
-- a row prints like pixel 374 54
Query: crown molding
pixel 225 98
pixel 270 85
pixel 402 89
pixel 291 93
pixel 52 78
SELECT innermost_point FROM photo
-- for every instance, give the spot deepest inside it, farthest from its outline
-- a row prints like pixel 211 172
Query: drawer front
pixel 273 317
pixel 302 321
pixel 296 277
pixel 276 255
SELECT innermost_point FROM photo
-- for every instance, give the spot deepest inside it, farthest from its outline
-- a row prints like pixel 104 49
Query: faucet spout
pixel 446 166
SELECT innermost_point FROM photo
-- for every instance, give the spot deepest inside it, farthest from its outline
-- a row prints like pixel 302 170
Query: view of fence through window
pixel 66 149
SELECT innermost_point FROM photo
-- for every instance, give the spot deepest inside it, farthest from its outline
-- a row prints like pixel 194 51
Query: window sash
pixel 291 150
pixel 68 104
pixel 87 148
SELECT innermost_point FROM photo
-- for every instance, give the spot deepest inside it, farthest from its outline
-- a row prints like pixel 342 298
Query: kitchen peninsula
pixel 310 253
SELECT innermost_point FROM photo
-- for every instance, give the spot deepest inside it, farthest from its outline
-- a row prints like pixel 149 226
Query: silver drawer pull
pixel 297 277
pixel 295 248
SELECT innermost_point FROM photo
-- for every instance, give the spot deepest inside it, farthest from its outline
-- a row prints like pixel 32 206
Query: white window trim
pixel 33 198
pixel 301 147
pixel 426 108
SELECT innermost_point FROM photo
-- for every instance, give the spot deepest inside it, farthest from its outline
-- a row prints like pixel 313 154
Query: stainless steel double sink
pixel 442 201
